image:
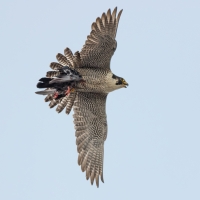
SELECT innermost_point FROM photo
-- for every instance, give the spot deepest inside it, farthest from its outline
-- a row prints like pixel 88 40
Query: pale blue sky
pixel 152 150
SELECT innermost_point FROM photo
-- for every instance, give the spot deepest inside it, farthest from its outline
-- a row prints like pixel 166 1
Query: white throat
pixel 111 83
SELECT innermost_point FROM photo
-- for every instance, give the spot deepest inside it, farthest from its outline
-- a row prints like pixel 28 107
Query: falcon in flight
pixel 83 81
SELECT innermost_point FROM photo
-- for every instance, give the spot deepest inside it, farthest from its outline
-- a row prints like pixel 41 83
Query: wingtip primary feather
pixel 92 176
pixel 97 180
pixel 117 21
pixel 102 178
pixel 109 15
pixel 88 172
pixel 114 14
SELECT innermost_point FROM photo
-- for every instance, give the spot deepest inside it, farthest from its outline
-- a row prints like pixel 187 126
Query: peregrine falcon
pixel 83 81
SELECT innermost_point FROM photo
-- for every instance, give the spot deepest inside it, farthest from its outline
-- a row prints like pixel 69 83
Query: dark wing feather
pixel 91 132
pixel 101 44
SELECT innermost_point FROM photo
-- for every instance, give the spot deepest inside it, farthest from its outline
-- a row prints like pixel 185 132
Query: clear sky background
pixel 152 150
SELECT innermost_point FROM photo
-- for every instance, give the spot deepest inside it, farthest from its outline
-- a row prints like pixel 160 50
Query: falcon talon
pixel 69 77
pixel 68 91
pixel 55 95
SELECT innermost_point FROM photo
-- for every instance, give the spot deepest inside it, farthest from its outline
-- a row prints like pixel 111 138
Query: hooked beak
pixel 125 84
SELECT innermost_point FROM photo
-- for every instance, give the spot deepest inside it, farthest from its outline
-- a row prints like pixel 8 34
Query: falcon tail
pixel 60 84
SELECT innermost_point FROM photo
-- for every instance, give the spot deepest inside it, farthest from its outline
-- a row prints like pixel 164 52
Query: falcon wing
pixel 91 132
pixel 101 44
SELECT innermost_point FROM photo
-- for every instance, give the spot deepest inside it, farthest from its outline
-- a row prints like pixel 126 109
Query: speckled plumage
pixel 89 98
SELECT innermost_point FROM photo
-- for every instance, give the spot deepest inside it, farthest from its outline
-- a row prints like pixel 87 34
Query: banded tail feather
pixel 58 82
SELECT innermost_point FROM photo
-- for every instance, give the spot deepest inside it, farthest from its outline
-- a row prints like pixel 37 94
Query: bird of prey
pixel 83 81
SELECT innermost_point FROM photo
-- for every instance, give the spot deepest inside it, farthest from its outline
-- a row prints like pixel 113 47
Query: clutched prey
pixel 59 83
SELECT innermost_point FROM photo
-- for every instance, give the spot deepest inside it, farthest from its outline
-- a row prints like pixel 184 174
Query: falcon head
pixel 120 82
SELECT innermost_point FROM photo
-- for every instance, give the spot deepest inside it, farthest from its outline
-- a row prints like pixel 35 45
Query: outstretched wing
pixel 91 132
pixel 101 44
